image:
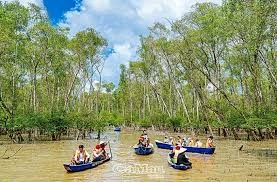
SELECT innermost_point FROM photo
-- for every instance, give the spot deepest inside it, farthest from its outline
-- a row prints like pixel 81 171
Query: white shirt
pixel 82 157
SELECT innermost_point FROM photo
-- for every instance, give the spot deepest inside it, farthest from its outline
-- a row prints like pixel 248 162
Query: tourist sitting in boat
pixel 185 141
pixel 175 153
pixel 171 141
pixel 210 142
pixel 166 140
pixel 144 134
pixel 81 156
pixel 179 141
pixel 198 143
pixel 141 142
pixel 99 152
pixel 146 140
pixel 190 142
pixel 182 158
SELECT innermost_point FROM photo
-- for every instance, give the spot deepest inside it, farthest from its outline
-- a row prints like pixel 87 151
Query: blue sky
pixel 57 8
pixel 121 22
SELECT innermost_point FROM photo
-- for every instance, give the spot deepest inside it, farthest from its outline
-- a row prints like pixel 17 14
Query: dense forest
pixel 213 70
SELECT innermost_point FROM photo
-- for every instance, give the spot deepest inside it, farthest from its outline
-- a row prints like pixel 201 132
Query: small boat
pixel 163 145
pixel 117 129
pixel 175 166
pixel 82 167
pixel 189 149
pixel 200 150
pixel 139 150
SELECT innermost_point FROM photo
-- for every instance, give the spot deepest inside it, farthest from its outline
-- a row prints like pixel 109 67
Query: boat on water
pixel 82 167
pixel 140 150
pixel 117 129
pixel 163 145
pixel 199 150
pixel 175 166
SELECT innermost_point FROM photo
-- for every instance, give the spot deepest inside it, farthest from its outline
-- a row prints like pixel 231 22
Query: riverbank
pixel 77 134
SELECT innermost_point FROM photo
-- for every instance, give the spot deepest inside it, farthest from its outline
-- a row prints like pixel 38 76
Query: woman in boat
pixel 182 158
pixel 81 156
pixel 185 141
pixel 171 141
pixel 198 143
pixel 190 142
pixel 166 140
pixel 144 134
pixel 179 141
pixel 175 153
pixel 99 152
pixel 210 142
pixel 141 142
pixel 146 140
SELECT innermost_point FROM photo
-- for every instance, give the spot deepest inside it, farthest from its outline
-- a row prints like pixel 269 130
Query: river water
pixel 43 161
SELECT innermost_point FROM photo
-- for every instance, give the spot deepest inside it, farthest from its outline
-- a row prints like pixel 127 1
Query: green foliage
pixel 175 121
pixel 215 66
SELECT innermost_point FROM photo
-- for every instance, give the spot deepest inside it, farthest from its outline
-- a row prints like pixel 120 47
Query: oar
pixel 241 148
pixel 110 149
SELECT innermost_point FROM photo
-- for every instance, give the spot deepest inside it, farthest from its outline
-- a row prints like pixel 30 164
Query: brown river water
pixel 43 161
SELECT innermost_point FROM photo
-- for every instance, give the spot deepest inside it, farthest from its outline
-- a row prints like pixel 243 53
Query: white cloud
pixel 154 10
pixel 122 21
pixel 98 5
pixel 123 53
pixel 26 2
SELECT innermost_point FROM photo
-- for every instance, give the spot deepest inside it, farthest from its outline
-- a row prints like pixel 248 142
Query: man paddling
pixel 81 156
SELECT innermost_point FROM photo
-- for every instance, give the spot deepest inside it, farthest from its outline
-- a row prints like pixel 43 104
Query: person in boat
pixel 166 140
pixel 198 143
pixel 190 142
pixel 185 141
pixel 99 152
pixel 141 142
pixel 210 142
pixel 179 141
pixel 182 158
pixel 174 154
pixel 144 134
pixel 171 141
pixel 146 140
pixel 81 156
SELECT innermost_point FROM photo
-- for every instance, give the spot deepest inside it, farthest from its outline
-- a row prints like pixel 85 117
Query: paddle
pixel 241 148
pixel 110 149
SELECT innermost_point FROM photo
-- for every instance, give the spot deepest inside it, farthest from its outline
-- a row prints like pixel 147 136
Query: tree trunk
pixel 235 134
pixel 98 134
pixel 261 134
pixel 211 130
pixel 224 132
pixel 54 137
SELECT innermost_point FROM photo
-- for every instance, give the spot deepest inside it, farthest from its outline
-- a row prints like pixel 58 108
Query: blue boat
pixel 82 167
pixel 117 129
pixel 163 145
pixel 175 166
pixel 200 150
pixel 189 149
pixel 143 150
